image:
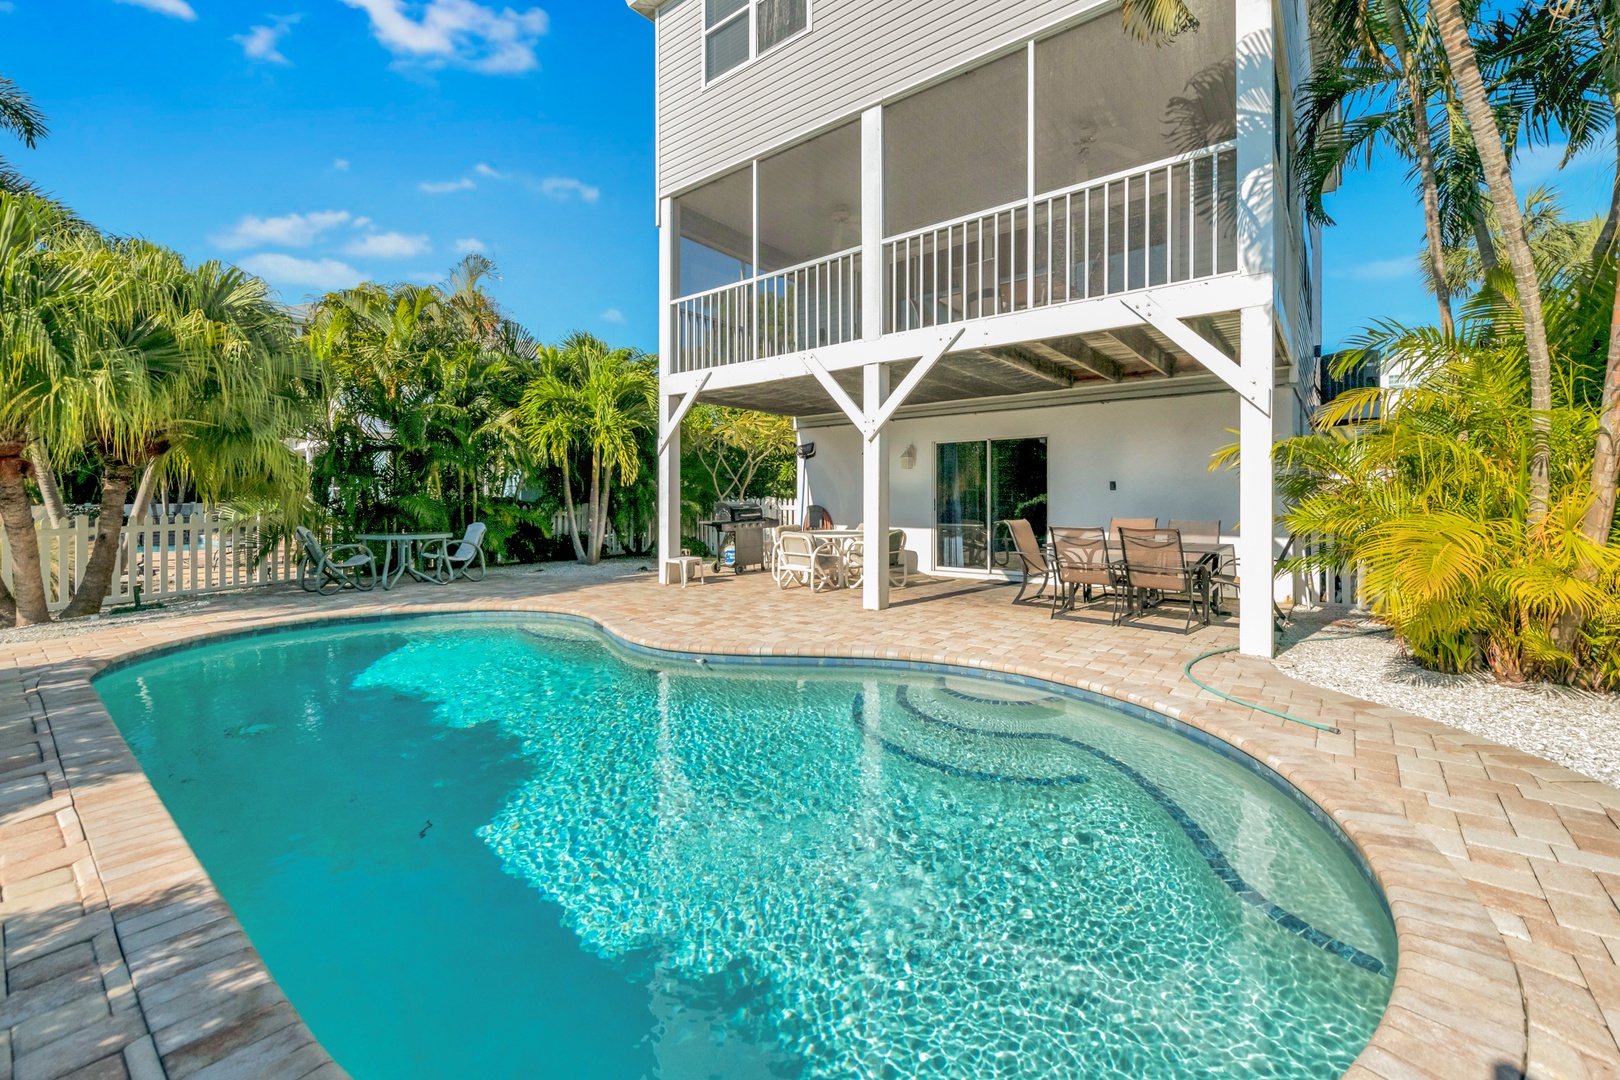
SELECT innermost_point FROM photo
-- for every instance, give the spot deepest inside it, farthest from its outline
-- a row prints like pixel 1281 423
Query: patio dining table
pixel 399 554
pixel 839 541
pixel 1219 556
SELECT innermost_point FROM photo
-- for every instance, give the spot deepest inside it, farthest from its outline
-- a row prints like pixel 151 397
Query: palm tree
pixel 1359 96
pixel 596 400
pixel 1487 140
pixel 39 332
pixel 190 366
pixel 20 117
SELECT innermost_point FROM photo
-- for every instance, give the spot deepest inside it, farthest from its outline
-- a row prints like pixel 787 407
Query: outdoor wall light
pixel 908 457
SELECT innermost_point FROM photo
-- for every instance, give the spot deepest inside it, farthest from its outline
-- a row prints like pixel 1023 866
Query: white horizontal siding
pixel 857 52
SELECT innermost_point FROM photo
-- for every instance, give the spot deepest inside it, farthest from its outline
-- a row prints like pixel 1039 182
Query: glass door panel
pixel 1017 490
pixel 978 484
pixel 961 498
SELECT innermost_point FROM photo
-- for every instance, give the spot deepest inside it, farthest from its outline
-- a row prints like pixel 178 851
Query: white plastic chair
pixel 329 570
pixel 801 560
pixel 465 559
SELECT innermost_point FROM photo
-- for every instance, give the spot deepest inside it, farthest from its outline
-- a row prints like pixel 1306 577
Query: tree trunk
pixel 1599 519
pixel 1488 141
pixel 568 507
pixel 17 513
pixel 600 535
pixel 1605 238
pixel 1482 240
pixel 45 476
pixel 142 508
pixel 1418 98
pixel 98 570
pixel 591 508
pixel 8 607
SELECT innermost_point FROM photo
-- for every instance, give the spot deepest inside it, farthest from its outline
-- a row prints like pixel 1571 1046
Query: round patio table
pixel 399 554
pixel 837 542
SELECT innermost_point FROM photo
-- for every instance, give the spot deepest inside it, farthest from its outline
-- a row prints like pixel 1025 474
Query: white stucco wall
pixel 1156 450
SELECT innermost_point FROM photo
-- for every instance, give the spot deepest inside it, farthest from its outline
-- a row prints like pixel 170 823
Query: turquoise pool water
pixel 504 849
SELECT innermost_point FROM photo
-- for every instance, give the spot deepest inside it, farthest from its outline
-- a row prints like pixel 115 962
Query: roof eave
pixel 649 8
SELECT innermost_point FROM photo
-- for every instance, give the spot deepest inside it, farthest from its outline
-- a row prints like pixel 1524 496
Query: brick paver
pixel 1501 869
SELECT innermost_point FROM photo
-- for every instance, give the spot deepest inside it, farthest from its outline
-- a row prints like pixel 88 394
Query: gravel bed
pixel 1577 729
pixel 555 573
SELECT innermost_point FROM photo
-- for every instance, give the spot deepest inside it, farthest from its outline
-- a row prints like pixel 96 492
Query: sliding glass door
pixel 978 484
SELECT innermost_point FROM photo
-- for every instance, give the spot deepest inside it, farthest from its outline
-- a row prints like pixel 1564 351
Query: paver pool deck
pixel 1501 869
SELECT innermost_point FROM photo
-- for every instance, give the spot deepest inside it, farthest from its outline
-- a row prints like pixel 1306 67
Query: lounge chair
pixel 457 558
pixel 800 559
pixel 330 570
pixel 1028 550
pixel 897 558
pixel 1155 565
pixel 1081 563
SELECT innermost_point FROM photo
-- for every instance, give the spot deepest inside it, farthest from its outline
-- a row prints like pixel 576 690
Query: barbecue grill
pixel 742 526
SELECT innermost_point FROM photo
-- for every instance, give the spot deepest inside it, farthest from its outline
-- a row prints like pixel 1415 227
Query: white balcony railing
pixel 1172 221
pixel 802 307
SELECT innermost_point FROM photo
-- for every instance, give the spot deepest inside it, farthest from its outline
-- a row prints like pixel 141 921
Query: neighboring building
pixel 996 257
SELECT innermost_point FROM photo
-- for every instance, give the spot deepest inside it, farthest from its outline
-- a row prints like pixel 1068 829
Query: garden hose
pixel 1187 671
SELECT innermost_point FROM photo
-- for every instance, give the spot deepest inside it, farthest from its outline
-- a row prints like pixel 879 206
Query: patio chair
pixel 464 559
pixel 1081 563
pixel 897 558
pixel 1205 533
pixel 330 570
pixel 1030 554
pixel 1156 565
pixel 816 517
pixel 1229 578
pixel 1116 524
pixel 801 559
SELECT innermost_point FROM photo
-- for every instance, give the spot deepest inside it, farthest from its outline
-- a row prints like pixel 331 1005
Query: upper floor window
pixel 736 31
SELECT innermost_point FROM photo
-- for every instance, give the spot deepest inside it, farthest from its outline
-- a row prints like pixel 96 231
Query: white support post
pixel 872 223
pixel 669 448
pixel 875 493
pixel 1256 496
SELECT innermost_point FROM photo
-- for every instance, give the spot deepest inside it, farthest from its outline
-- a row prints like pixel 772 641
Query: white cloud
pixel 484 170
pixel 1383 269
pixel 340 164
pixel 561 187
pixel 612 315
pixel 388 245
pixel 458 33
pixel 312 273
pixel 178 9
pixel 360 222
pixel 7 7
pixel 445 187
pixel 470 245
pixel 262 42
pixel 289 230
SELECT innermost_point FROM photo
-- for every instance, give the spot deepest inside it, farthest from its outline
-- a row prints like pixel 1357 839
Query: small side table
pixel 688 564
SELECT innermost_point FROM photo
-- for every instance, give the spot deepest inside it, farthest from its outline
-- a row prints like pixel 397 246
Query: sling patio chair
pixel 330 570
pixel 1081 563
pixel 1116 524
pixel 1029 552
pixel 856 559
pixel 802 560
pixel 1156 567
pixel 816 517
pixel 451 559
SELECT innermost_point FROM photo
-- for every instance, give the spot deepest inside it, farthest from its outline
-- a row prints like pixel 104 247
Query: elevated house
pixel 996 257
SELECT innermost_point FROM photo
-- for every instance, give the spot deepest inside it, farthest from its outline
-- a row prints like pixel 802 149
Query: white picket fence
pixel 194 553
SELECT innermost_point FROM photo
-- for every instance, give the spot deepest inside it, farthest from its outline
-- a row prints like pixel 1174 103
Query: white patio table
pixel 837 542
pixel 399 554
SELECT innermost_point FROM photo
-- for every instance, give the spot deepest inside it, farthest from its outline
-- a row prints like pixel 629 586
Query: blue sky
pixel 318 142
pixel 321 141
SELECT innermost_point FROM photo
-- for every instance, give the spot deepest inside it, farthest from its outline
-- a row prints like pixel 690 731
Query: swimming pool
pixel 503 848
